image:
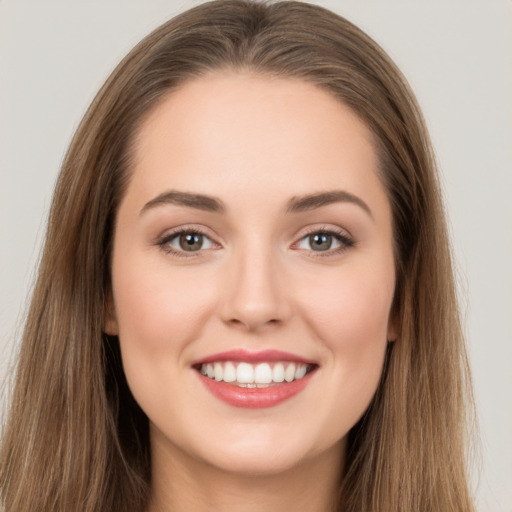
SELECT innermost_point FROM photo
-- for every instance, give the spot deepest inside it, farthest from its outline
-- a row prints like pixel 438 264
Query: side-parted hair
pixel 75 439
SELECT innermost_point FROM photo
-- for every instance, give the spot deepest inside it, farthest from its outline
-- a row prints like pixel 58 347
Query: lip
pixel 254 398
pixel 262 356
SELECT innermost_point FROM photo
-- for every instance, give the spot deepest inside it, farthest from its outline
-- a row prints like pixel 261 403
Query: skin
pixel 255 143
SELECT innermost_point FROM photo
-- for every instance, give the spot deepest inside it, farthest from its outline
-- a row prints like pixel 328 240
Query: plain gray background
pixel 457 57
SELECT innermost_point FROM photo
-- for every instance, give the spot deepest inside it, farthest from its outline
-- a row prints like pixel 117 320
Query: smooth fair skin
pixel 257 148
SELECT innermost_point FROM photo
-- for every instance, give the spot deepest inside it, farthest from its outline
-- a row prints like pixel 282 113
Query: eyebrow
pixel 313 201
pixel 295 205
pixel 198 201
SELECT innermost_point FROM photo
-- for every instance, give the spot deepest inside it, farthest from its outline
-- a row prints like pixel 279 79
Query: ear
pixel 110 325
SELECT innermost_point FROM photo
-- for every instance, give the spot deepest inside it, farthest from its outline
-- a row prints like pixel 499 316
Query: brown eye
pixel 186 241
pixel 329 242
pixel 320 241
pixel 191 241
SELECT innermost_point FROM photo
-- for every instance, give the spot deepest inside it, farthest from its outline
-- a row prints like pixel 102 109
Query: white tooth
pixel 262 385
pixel 218 372
pixel 229 372
pixel 263 374
pixel 203 369
pixel 251 385
pixel 300 371
pixel 289 374
pixel 245 373
pixel 278 373
pixel 209 371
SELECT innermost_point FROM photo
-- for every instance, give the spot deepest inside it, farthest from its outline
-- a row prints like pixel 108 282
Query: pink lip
pixel 255 398
pixel 253 357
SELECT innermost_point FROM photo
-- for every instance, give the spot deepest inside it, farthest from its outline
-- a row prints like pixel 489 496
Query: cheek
pixel 349 315
pixel 155 305
pixel 159 313
pixel 351 310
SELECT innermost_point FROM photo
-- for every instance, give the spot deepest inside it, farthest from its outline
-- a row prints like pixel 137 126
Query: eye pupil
pixel 320 241
pixel 191 241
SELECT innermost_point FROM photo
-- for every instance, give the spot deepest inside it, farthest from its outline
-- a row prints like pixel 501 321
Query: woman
pixel 246 298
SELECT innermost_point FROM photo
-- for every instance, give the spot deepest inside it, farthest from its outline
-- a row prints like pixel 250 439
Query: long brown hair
pixel 75 439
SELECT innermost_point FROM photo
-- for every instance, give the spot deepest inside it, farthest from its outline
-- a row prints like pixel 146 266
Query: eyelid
pixel 325 228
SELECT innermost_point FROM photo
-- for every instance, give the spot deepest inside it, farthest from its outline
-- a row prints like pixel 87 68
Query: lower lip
pixel 255 398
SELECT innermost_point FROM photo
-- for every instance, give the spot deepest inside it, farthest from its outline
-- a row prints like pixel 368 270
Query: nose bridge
pixel 255 296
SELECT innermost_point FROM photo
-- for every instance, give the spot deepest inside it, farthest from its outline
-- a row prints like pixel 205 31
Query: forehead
pixel 237 129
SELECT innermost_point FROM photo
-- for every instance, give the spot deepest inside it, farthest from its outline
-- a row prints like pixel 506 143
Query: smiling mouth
pixel 254 380
pixel 261 375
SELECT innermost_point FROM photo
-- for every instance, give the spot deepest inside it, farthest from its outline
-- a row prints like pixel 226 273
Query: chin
pixel 256 465
pixel 267 455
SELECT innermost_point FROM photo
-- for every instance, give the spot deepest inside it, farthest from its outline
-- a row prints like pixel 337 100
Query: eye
pixel 186 241
pixel 330 242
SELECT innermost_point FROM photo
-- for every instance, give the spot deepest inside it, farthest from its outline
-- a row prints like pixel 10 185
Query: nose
pixel 255 295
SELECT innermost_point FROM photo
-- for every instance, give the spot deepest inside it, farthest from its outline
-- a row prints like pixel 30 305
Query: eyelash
pixel 169 237
pixel 345 241
pixel 341 236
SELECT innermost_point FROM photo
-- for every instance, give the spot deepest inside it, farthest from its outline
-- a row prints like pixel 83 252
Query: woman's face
pixel 253 245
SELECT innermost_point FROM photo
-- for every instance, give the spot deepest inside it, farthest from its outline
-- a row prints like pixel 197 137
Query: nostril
pixel 253 323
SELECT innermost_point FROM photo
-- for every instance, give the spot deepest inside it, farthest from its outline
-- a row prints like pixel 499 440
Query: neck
pixel 182 483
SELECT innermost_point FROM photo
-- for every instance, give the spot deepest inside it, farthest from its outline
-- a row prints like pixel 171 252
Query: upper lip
pixel 262 356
